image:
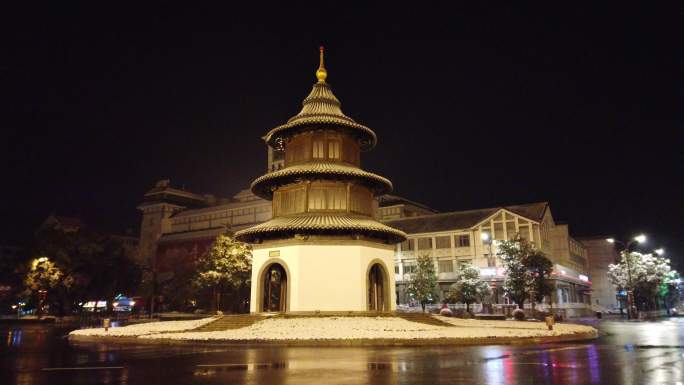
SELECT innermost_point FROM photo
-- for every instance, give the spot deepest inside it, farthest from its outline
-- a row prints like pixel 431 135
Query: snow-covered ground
pixel 144 328
pixel 339 328
pixel 351 328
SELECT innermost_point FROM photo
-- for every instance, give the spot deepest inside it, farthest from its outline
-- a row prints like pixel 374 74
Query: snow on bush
pixel 519 314
pixel 445 311
pixel 144 328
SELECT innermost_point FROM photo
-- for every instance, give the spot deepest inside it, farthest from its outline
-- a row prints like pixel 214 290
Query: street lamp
pixel 486 239
pixel 641 238
pixel 659 251
pixel 484 236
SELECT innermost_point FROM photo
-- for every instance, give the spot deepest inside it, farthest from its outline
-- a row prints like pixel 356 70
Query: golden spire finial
pixel 321 73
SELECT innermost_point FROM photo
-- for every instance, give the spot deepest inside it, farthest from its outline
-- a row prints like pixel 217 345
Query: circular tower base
pixel 301 276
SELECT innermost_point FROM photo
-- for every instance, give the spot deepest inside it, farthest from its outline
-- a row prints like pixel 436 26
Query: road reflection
pixel 14 337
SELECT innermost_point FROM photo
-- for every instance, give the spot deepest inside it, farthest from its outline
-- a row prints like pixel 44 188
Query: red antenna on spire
pixel 321 73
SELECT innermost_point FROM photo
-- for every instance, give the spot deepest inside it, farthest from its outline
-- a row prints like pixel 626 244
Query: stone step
pixel 423 318
pixel 228 322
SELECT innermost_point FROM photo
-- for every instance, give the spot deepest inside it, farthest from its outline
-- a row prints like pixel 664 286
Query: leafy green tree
pixel 517 279
pixel 226 267
pixel 424 281
pixel 469 287
pixel 44 275
pixel 115 272
pixel 100 265
pixel 540 269
pixel 527 270
pixel 13 269
pixel 172 282
pixel 647 271
pixel 669 290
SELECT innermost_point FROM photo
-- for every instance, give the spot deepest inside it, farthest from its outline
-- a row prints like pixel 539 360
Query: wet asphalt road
pixel 626 353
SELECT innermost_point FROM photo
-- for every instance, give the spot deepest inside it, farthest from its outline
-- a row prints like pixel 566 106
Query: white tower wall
pixel 325 277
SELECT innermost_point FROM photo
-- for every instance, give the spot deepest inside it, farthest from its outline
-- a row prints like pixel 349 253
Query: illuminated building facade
pixel 602 254
pixel 460 237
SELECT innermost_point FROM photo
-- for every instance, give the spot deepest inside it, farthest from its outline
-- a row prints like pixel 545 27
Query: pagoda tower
pixel 322 250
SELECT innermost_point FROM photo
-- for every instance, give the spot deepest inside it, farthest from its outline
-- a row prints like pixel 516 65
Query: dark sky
pixel 477 106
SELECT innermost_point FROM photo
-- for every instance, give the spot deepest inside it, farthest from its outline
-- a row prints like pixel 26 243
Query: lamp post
pixel 491 262
pixel 641 238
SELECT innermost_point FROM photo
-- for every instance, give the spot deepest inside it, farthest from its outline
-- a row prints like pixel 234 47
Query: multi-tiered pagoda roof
pixel 321 191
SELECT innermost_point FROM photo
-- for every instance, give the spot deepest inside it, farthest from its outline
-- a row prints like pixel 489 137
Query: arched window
pixel 377 288
pixel 274 289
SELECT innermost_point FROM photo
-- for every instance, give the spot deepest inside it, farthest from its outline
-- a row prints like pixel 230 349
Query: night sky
pixel 477 106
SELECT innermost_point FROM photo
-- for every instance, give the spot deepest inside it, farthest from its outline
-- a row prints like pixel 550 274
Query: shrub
pixel 541 315
pixel 519 314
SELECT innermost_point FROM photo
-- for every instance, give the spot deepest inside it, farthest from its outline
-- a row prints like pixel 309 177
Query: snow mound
pixel 354 328
pixel 145 328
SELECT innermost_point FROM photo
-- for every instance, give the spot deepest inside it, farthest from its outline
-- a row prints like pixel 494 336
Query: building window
pixel 396 269
pixel 289 202
pixel 510 229
pixel 499 231
pixel 578 259
pixel 361 200
pixel 463 262
pixel 331 198
pixel 463 241
pixel 409 268
pixel 446 266
pixel 318 149
pixel 424 243
pixel 334 150
pixel 408 245
pixel 524 231
pixel 443 242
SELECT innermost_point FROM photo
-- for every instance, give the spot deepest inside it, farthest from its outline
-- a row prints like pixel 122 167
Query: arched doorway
pixel 376 288
pixel 275 289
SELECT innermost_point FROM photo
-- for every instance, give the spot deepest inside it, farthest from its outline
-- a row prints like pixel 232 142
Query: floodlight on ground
pixel 610 240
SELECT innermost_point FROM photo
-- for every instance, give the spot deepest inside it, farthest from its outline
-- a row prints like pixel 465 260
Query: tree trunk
pixel 521 304
pixel 422 304
pixel 218 300
pixel 109 304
